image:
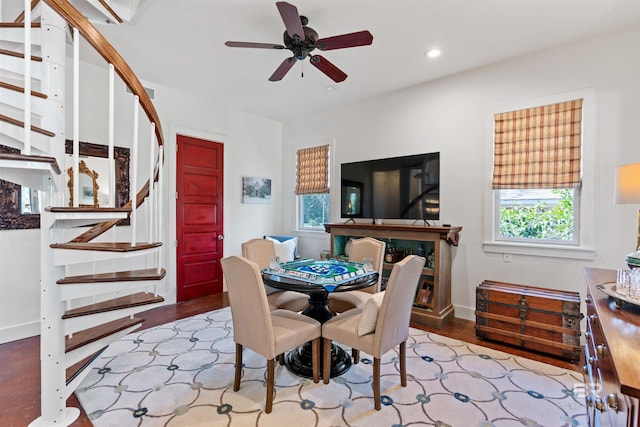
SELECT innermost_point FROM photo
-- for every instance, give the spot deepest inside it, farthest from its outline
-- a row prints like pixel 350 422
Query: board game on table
pixel 329 274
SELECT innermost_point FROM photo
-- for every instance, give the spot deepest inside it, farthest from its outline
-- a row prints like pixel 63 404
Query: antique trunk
pixel 539 319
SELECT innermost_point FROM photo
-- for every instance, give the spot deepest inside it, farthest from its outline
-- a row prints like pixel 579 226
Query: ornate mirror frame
pixel 92 195
pixel 10 193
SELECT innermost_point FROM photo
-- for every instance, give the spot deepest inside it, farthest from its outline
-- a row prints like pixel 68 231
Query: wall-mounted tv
pixel 406 187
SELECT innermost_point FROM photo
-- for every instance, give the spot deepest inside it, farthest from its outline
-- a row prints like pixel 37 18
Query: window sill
pixel 540 250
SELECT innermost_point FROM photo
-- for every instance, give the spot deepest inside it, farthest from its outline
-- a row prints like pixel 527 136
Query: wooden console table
pixel 611 372
pixel 432 304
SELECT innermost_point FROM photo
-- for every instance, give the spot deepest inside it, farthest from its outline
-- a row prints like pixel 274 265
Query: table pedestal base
pixel 299 361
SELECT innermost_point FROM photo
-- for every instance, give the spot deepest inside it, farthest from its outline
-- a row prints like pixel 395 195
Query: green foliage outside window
pixel 315 210
pixel 543 220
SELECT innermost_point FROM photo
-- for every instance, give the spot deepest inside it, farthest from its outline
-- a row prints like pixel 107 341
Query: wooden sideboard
pixel 432 303
pixel 612 354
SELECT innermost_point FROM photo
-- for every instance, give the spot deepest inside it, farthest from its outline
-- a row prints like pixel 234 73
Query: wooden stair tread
pixel 116 276
pixel 67 209
pixel 90 335
pixel 21 90
pixel 75 370
pixel 16 122
pixel 127 301
pixel 32 158
pixel 106 246
pixel 18 54
pixel 18 25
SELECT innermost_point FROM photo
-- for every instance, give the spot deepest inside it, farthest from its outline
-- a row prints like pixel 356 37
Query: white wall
pixel 454 116
pixel 450 116
pixel 251 148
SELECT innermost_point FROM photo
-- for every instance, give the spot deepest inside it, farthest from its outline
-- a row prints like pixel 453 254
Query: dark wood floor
pixel 20 364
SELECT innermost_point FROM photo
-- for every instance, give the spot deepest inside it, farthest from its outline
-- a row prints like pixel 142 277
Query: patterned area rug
pixel 181 374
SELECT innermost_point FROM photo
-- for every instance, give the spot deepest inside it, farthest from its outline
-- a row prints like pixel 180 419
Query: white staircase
pixel 81 314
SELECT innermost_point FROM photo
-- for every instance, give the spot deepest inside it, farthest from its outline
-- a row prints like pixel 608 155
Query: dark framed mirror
pixel 16 203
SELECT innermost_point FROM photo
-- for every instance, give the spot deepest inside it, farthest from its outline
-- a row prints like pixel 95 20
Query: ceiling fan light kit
pixel 302 40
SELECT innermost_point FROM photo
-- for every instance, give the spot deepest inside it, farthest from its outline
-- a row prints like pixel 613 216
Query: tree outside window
pixel 314 210
pixel 539 214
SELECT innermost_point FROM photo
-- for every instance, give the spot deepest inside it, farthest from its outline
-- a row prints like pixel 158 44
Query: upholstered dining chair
pixel 261 251
pixel 390 323
pixel 366 247
pixel 255 326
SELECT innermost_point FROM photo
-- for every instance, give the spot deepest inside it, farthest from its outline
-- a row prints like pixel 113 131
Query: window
pixel 537 173
pixel 314 210
pixel 312 187
pixel 544 215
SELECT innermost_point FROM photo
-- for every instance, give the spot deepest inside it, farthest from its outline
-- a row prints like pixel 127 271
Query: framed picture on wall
pixel 256 190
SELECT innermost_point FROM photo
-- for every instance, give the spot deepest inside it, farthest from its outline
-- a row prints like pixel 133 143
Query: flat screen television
pixel 406 187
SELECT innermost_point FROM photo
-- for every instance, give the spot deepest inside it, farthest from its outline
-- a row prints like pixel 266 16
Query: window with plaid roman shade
pixel 538 147
pixel 313 170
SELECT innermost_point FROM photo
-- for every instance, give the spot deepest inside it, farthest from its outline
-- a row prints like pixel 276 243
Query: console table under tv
pixel 432 302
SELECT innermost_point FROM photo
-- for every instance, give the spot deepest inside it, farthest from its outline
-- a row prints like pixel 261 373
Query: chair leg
pixel 403 363
pixel 326 362
pixel 376 383
pixel 315 359
pixel 271 367
pixel 236 379
pixel 355 355
pixel 281 359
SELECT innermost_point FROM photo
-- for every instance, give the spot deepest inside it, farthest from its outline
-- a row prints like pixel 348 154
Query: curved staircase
pixel 92 283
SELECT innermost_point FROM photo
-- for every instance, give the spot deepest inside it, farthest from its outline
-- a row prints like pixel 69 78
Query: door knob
pixel 220 236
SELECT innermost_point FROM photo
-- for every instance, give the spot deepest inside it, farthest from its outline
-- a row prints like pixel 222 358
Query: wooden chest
pixel 544 320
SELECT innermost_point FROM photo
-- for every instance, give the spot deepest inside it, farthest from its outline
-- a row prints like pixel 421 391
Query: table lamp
pixel 628 191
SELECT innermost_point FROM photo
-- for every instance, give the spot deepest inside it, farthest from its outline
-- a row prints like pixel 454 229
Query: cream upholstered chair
pixel 261 251
pixel 391 324
pixel 268 333
pixel 366 247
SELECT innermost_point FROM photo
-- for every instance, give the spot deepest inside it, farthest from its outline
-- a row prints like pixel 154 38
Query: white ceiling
pixel 180 44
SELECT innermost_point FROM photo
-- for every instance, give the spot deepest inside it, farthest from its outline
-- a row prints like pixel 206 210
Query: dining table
pixel 318 279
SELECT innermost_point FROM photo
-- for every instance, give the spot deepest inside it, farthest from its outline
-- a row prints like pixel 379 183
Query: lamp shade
pixel 628 184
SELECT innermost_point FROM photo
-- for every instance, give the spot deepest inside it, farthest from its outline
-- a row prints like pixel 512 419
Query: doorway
pixel 199 217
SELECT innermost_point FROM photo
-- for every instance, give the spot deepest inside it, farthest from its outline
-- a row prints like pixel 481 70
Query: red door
pixel 199 217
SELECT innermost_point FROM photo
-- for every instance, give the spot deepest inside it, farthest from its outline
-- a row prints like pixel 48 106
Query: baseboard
pixel 18 332
pixel 467 313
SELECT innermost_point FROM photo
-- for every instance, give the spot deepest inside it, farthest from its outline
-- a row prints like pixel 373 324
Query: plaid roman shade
pixel 538 147
pixel 313 170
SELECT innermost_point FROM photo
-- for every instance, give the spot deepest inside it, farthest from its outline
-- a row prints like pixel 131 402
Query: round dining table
pixel 299 360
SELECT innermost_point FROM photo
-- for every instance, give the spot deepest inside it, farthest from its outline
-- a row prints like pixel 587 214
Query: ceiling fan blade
pixel 360 38
pixel 254 45
pixel 282 69
pixel 291 19
pixel 333 72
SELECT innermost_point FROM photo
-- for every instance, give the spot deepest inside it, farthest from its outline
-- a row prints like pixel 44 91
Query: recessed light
pixel 331 88
pixel 433 53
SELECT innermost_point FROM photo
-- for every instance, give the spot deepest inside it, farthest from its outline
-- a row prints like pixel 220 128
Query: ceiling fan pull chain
pixel 302 70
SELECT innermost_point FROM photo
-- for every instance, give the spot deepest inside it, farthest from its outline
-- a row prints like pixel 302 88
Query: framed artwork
pixel 425 294
pixel 256 190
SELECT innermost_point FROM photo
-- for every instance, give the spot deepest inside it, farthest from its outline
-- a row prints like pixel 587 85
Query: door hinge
pixel 176 147
pixel 176 195
pixel 176 243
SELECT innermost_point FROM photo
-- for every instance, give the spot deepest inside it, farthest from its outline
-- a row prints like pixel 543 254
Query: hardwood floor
pixel 20 364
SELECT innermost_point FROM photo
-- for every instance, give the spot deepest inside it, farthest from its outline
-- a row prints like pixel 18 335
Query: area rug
pixel 181 374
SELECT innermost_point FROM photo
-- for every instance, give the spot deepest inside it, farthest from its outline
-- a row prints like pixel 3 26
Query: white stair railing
pixel 27 77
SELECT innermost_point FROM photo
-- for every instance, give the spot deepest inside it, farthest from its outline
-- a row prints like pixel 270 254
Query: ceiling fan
pixel 302 40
